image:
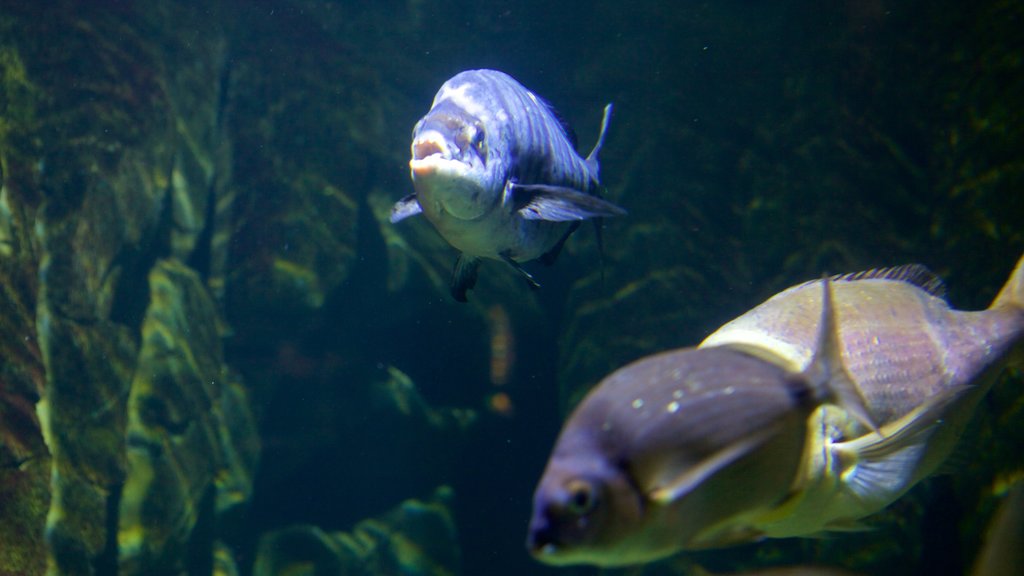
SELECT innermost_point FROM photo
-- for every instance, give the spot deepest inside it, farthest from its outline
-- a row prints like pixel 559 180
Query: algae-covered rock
pixel 112 153
pixel 24 459
pixel 189 430
pixel 82 414
pixel 418 538
pixel 296 207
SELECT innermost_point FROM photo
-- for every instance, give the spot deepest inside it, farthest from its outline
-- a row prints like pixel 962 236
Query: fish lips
pixel 438 166
pixel 543 544
pixel 550 538
pixel 434 155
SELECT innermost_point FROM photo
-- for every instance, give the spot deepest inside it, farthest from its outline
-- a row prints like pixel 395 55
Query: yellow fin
pixel 1012 294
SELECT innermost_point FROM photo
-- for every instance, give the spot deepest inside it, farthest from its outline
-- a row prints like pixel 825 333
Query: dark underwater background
pixel 219 356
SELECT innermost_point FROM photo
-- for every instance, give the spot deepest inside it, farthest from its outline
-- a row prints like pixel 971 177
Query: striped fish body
pixel 496 174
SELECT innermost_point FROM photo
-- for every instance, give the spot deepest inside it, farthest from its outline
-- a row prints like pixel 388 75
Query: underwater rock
pixel 24 459
pixel 82 414
pixel 398 395
pixel 418 538
pixel 223 560
pixel 189 430
pixel 296 211
pixel 113 153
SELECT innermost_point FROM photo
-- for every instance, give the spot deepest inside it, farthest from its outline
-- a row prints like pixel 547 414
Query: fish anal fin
pixel 691 477
pixel 464 276
pixel 522 272
pixel 404 208
pixel 560 203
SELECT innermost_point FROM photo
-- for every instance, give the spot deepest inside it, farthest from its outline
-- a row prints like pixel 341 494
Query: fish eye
pixel 582 499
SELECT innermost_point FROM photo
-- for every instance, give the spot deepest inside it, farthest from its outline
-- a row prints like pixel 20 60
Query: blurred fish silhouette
pixel 496 174
pixel 1003 552
pixel 813 410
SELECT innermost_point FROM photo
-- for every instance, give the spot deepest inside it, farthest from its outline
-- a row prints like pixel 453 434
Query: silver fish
pixel 792 420
pixel 496 174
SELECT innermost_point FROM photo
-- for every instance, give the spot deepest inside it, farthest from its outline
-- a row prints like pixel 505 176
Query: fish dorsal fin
pixel 693 476
pixel 827 372
pixel 915 274
pixel 591 160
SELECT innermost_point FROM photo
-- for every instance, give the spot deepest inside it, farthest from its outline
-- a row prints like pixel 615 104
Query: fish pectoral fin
pixel 560 204
pixel 880 465
pixel 464 276
pixel 404 208
pixel 526 275
pixel 913 428
pixel 877 481
pixel 691 477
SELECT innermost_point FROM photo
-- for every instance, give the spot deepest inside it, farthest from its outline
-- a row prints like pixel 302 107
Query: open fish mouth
pixel 429 145
pixel 438 165
pixel 432 155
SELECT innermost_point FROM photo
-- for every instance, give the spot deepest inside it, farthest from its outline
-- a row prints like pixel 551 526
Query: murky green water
pixel 217 348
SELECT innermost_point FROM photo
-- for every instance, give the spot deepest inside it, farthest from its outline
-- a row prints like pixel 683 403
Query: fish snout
pixel 541 538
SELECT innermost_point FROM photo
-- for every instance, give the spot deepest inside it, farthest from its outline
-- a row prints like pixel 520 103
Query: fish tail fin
pixel 1011 298
pixel 827 372
pixel 1012 294
pixel 591 160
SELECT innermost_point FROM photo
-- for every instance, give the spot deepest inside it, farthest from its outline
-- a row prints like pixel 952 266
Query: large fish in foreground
pixel 810 412
pixel 496 174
